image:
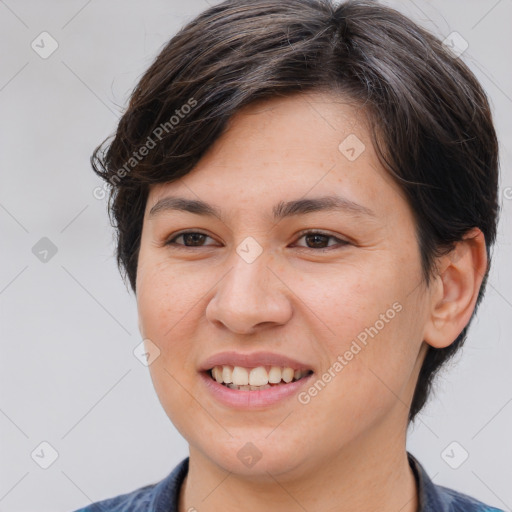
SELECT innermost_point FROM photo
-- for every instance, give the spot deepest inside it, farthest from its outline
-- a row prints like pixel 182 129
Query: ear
pixel 455 288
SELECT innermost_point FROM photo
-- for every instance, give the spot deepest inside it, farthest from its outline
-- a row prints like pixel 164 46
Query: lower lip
pixel 251 399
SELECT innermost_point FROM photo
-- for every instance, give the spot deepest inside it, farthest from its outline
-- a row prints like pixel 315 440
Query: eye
pixel 318 239
pixel 194 238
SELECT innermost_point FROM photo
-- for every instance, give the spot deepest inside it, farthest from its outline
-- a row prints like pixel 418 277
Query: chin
pixel 256 457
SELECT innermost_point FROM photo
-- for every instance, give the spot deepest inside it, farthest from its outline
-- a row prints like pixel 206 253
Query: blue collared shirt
pixel 163 496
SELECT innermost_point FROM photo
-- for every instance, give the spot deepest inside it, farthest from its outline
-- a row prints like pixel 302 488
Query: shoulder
pixel 137 500
pixel 459 502
pixel 437 498
pixel 160 496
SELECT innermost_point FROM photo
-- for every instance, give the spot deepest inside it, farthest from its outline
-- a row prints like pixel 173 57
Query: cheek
pixel 351 298
pixel 167 299
pixel 374 324
pixel 165 303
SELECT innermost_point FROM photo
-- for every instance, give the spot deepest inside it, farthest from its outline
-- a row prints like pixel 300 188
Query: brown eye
pixel 317 241
pixel 190 239
pixel 320 241
pixel 314 240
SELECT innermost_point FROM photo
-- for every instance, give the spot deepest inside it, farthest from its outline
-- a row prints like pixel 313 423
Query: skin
pixel 347 445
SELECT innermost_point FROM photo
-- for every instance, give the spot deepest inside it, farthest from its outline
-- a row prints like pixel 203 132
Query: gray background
pixel 68 324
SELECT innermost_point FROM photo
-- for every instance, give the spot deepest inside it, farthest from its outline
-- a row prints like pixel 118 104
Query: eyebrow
pixel 280 211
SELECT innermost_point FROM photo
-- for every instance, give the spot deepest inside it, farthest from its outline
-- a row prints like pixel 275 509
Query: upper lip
pixel 252 360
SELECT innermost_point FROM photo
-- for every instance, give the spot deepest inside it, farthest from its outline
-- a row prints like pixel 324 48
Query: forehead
pixel 299 146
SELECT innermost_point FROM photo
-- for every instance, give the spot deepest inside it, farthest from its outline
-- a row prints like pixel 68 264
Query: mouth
pixel 255 379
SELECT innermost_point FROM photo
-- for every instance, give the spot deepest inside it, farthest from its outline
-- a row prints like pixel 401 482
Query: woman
pixel 305 198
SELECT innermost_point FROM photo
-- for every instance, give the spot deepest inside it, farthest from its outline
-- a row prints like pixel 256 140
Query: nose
pixel 250 297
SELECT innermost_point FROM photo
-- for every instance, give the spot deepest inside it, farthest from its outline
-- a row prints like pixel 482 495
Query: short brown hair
pixel 431 122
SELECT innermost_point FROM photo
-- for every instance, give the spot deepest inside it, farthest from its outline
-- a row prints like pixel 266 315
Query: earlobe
pixel 455 289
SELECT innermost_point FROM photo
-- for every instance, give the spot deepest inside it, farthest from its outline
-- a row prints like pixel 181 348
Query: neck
pixel 372 474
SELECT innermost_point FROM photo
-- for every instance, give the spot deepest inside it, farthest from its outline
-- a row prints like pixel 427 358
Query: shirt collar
pixel 166 492
pixel 429 498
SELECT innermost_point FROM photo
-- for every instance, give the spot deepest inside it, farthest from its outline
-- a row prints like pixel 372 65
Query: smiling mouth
pixel 255 379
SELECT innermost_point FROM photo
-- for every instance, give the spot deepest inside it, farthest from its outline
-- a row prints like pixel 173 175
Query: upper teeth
pixel 259 376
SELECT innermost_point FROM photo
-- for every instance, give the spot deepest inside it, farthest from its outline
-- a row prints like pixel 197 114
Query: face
pixel 337 290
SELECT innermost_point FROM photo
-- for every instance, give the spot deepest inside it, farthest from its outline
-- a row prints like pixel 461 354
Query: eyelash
pixel 171 241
